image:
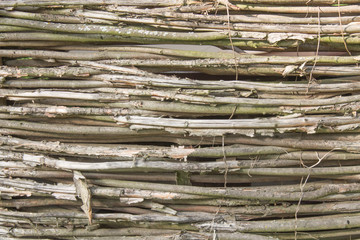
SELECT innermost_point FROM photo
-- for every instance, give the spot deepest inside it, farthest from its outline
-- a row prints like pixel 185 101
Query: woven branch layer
pixel 179 119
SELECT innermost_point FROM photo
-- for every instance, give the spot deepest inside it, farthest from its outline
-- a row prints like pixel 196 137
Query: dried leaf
pixel 256 35
pixel 53 111
pixel 228 4
pixel 295 115
pixel 311 129
pixel 265 132
pixel 347 127
pixel 180 153
pixel 289 69
pixel 5 230
pixel 277 37
pixel 82 190
pixel 162 208
pixel 33 160
pixel 64 196
pixel 131 200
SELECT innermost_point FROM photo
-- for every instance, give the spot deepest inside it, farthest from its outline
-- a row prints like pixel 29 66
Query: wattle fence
pixel 179 119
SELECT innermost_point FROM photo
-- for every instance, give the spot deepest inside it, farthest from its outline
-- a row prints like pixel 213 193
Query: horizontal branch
pixel 318 143
pixel 50 17
pixel 43 232
pixel 178 109
pixel 301 224
pixel 276 87
pixel 240 60
pixel 254 123
pixel 91 2
pixel 112 30
pixel 239 193
pixel 55 72
pixel 76 55
pixel 298 2
pixel 39 160
pixel 99 217
pixel 328 171
pixel 73 129
pixel 299 9
pixel 122 94
pixel 273 211
pixel 233 17
pixel 128 151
